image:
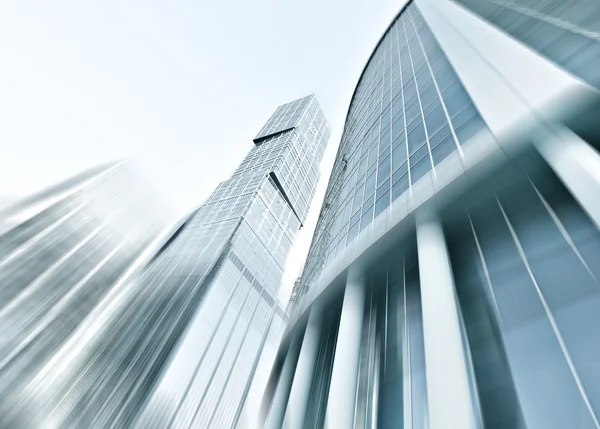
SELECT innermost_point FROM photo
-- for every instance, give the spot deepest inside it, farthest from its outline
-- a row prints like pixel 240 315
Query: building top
pixel 286 117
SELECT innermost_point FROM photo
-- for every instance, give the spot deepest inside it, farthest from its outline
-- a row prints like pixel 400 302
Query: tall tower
pixel 64 254
pixel 452 281
pixel 190 341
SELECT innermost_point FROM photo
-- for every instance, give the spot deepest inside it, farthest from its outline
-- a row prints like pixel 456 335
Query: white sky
pixel 183 86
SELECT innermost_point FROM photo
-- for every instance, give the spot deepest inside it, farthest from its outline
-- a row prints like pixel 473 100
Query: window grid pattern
pixel 285 117
pixel 204 311
pixel 409 112
pixel 566 32
pixel 248 226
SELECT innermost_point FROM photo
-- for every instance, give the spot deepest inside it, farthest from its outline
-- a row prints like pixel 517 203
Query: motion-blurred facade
pixel 65 253
pixel 452 281
pixel 112 318
pixel 227 261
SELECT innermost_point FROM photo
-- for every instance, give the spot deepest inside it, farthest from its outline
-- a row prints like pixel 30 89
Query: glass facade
pixel 472 301
pixel 197 330
pixel 526 261
pixel 566 32
pixel 65 252
pixel 409 112
pixel 221 367
pixel 185 340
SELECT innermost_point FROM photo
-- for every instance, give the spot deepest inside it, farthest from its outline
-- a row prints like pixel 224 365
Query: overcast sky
pixel 181 85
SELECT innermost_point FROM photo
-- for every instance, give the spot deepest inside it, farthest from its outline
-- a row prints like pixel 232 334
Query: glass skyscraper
pixel 452 281
pixel 64 253
pixel 188 341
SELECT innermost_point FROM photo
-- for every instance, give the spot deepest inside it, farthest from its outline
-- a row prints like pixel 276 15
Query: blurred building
pixel 228 259
pixel 452 281
pixel 189 341
pixel 64 253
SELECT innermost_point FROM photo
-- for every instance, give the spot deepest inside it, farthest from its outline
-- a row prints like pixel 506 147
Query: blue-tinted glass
pixel 401 171
pixel 373 155
pixel 469 129
pixel 355 217
pixel 396 84
pixel 353 232
pixel 445 81
pixel 367 216
pixel 420 152
pixel 382 189
pixel 419 168
pixel 428 95
pixel 424 79
pixel 370 185
pixel 382 203
pixel 398 128
pixel 384 170
pixel 385 142
pixel 456 100
pixel 400 186
pixel 357 198
pixel 398 156
pixel 416 137
pixel 347 211
pixel 413 110
pixel 543 26
pixel 362 167
pixel 442 150
pixel 375 134
pixel 439 136
pixel 435 119
pixel 463 116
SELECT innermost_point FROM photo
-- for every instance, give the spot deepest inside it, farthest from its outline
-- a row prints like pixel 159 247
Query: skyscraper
pixel 239 239
pixel 452 278
pixel 189 341
pixel 63 253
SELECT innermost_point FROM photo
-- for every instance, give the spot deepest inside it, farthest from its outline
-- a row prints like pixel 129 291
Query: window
pixel 416 137
pixel 382 203
pixel 442 150
pixel 400 186
pixel 419 169
pixel 369 185
pixel 384 170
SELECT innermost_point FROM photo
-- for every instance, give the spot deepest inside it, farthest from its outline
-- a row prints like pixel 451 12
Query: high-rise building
pixel 239 241
pixel 452 281
pixel 63 253
pixel 189 342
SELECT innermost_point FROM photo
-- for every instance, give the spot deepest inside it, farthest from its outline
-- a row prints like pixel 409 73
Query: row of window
pixel 410 111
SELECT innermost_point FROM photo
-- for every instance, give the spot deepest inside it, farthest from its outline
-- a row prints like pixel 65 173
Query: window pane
pixel 382 203
pixel 443 149
pixel 416 137
pixel 370 185
pixel 400 186
pixel 384 170
pixel 419 169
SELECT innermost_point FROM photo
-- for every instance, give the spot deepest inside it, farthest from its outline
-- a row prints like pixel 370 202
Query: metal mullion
pixel 410 191
pixel 419 100
pixel 550 316
pixel 439 93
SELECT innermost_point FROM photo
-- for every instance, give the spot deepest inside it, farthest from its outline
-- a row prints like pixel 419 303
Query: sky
pixel 181 86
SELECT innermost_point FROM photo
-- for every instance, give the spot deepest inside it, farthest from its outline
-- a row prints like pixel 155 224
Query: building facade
pixel 452 281
pixel 239 238
pixel 188 341
pixel 64 253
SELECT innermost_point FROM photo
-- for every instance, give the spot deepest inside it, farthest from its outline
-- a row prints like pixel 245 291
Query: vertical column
pixel 342 392
pixel 577 164
pixel 276 413
pixel 305 368
pixel 450 404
